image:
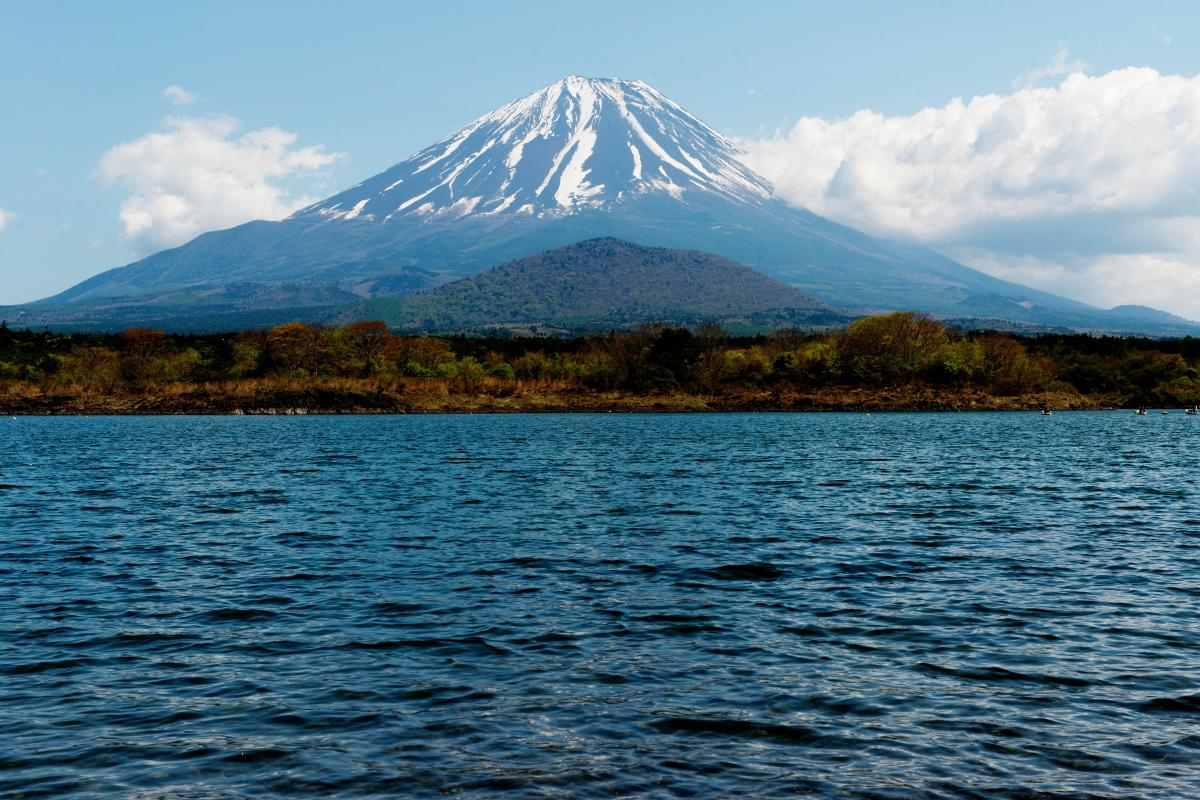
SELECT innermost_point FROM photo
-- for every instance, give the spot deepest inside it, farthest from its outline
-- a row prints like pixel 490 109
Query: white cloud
pixel 198 175
pixel 1087 188
pixel 1057 66
pixel 5 218
pixel 1148 279
pixel 179 95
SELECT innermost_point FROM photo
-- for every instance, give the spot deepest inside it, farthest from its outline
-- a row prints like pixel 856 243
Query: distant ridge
pixel 605 283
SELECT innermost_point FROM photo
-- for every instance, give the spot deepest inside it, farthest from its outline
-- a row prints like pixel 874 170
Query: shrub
pixel 469 375
pixel 501 370
pixel 182 366
pixel 247 358
pixel 532 365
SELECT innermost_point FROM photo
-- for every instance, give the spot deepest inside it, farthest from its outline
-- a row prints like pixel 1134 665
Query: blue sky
pixel 373 82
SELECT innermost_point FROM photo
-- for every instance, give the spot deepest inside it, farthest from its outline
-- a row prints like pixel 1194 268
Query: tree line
pixel 879 351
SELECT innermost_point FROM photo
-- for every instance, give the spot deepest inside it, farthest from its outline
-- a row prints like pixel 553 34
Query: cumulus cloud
pixel 5 218
pixel 199 174
pixel 1087 188
pixel 179 95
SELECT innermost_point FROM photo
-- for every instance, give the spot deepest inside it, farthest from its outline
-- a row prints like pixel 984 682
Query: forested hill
pixel 604 283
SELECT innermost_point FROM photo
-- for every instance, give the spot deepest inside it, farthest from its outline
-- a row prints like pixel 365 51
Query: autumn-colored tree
pixel 300 348
pixel 895 347
pixel 711 341
pixel 371 346
pixel 784 341
pixel 96 368
pixel 532 365
pixel 425 352
pixel 143 352
pixel 819 361
pixel 749 367
pixel 1007 367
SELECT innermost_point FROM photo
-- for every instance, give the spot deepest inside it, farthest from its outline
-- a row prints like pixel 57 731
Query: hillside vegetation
pixel 602 283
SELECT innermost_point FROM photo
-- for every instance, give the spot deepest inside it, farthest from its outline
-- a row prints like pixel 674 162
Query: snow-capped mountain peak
pixel 577 143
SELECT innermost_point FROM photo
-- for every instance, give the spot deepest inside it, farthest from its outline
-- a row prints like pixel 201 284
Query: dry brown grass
pixel 282 395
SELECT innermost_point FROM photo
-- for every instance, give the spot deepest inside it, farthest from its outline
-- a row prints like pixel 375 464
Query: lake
pixel 601 605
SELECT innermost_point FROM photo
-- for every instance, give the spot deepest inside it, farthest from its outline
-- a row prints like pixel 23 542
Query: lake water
pixel 839 605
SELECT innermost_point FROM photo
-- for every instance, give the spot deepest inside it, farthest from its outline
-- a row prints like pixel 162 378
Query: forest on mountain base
pixel 901 361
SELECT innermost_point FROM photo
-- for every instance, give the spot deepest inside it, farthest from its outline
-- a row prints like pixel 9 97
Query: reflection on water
pixel 951 605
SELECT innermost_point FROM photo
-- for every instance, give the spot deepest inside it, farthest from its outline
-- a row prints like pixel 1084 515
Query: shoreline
pixel 432 397
pixel 306 412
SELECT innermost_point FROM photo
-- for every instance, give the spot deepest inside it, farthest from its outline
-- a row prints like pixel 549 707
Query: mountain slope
pixel 603 283
pixel 578 159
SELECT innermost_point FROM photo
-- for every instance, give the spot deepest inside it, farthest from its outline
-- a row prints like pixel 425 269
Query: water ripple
pixel 835 605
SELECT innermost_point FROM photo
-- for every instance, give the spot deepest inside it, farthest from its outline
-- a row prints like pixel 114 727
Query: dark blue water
pixel 942 605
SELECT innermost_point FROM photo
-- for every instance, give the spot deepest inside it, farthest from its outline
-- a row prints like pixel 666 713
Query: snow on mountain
pixel 575 144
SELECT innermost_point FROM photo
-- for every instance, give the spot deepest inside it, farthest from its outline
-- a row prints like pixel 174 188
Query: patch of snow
pixel 329 211
pixel 668 186
pixel 574 184
pixel 579 146
pixel 637 161
pixel 649 141
pixel 698 165
pixel 413 200
pixel 455 143
pixel 505 203
pixel 354 212
pixel 463 206
pixel 448 182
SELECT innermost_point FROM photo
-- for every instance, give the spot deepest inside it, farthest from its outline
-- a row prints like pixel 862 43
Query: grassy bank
pixel 492 395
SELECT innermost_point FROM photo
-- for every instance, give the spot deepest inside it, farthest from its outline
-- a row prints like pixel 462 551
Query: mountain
pixel 573 145
pixel 604 284
pixel 578 159
pixel 1020 314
